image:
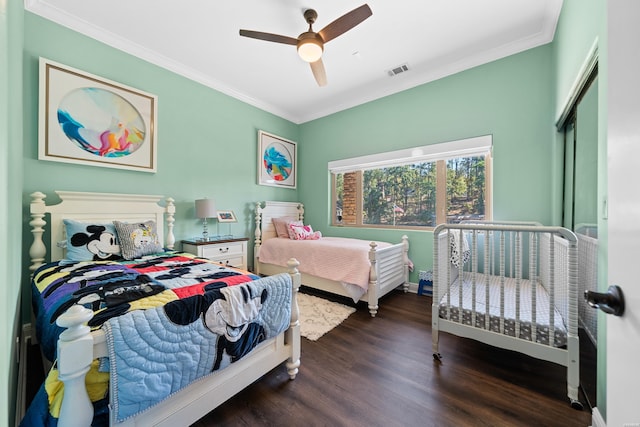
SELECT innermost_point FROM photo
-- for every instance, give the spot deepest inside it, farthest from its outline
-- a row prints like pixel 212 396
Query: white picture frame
pixel 277 161
pixel 226 216
pixel 89 120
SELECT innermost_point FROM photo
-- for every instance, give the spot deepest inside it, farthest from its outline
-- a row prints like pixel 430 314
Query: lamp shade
pixel 206 208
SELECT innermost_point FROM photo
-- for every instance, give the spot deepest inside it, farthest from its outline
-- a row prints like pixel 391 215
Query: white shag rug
pixel 318 315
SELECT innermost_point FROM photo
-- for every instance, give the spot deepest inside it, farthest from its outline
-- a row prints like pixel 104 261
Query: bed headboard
pixel 102 207
pixel 265 211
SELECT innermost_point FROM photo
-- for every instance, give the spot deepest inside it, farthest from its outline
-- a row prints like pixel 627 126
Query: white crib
pixel 510 285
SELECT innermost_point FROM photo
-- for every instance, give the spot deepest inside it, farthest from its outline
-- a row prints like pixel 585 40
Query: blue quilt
pixel 169 320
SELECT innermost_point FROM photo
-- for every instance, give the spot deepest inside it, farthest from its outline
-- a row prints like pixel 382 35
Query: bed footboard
pixel 76 352
pixel 389 269
pixel 512 286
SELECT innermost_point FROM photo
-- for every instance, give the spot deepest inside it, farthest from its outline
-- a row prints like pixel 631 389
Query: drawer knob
pixel 224 250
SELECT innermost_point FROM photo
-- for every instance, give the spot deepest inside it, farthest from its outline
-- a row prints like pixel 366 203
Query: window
pixel 419 187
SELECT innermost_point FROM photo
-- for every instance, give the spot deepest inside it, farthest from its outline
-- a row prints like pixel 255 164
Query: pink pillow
pixel 280 224
pixel 298 231
pixel 291 225
pixel 315 235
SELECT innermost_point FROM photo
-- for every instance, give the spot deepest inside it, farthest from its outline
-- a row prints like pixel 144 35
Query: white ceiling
pixel 199 39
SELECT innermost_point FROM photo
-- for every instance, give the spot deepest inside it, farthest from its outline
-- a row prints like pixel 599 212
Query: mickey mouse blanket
pixel 169 319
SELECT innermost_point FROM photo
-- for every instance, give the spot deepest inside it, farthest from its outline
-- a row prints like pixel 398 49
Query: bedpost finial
pixel 170 210
pixel 38 196
pixel 37 250
pixel 293 264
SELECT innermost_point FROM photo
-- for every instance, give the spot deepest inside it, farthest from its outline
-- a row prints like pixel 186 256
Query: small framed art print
pixel 277 161
pixel 226 216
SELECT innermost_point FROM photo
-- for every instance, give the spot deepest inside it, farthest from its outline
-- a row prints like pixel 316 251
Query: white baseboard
pixel 596 419
pixel 413 288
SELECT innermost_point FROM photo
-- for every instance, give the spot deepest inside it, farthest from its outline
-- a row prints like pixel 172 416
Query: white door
pixel 623 333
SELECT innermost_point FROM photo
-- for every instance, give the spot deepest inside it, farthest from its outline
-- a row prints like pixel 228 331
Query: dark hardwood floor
pixel 380 372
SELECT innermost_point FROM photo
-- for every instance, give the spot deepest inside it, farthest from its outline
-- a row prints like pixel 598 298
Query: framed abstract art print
pixel 277 158
pixel 89 120
pixel 226 216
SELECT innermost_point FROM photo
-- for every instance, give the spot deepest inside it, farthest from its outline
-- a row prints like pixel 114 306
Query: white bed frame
pixel 78 346
pixel 389 266
pixel 499 249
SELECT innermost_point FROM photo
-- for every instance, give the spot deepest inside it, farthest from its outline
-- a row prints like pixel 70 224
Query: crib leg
pixel 577 405
pixel 573 371
pixel 437 357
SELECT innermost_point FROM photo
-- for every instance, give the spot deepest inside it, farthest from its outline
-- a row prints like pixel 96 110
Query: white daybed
pixel 388 266
pixel 77 346
pixel 510 286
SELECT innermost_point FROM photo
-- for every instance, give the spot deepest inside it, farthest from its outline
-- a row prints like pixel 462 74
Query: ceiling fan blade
pixel 269 37
pixel 318 72
pixel 345 23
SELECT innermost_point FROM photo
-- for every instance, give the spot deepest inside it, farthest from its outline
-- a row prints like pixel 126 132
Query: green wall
pixel 11 30
pixel 511 99
pixel 582 25
pixel 207 141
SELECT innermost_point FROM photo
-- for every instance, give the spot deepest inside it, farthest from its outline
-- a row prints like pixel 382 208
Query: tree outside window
pixel 413 195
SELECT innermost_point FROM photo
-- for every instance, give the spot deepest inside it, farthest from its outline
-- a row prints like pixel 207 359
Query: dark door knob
pixel 611 302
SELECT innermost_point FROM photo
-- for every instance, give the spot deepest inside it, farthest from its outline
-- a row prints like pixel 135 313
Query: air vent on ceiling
pixel 398 70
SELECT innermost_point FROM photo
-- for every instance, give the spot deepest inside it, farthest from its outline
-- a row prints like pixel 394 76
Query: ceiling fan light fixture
pixel 310 48
pixel 310 45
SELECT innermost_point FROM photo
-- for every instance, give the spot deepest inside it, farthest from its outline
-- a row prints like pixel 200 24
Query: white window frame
pixel 468 147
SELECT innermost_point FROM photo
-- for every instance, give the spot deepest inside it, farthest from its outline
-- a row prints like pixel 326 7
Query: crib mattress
pixel 542 319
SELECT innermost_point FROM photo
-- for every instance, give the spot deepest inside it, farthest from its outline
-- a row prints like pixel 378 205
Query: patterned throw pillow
pixel 303 232
pixel 291 226
pixel 91 241
pixel 138 239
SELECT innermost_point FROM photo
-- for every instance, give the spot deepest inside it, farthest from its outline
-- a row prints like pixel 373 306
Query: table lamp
pixel 205 208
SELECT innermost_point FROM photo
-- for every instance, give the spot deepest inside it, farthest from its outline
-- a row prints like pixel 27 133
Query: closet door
pixel 586 160
pixel 580 192
pixel 579 214
pixel 569 173
pixel 585 222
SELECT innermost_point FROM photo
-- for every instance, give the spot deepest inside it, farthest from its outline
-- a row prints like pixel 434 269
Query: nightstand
pixel 231 252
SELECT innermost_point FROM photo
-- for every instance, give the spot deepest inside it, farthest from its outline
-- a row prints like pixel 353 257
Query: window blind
pixel 469 147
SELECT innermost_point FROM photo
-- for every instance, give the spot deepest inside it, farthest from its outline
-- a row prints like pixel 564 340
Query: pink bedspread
pixel 334 258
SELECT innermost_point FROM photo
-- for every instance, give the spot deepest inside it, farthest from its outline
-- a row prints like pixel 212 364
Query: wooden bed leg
pixel 75 353
pixel 293 333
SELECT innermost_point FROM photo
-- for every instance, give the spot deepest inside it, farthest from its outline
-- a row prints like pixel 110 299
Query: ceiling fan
pixel 310 44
